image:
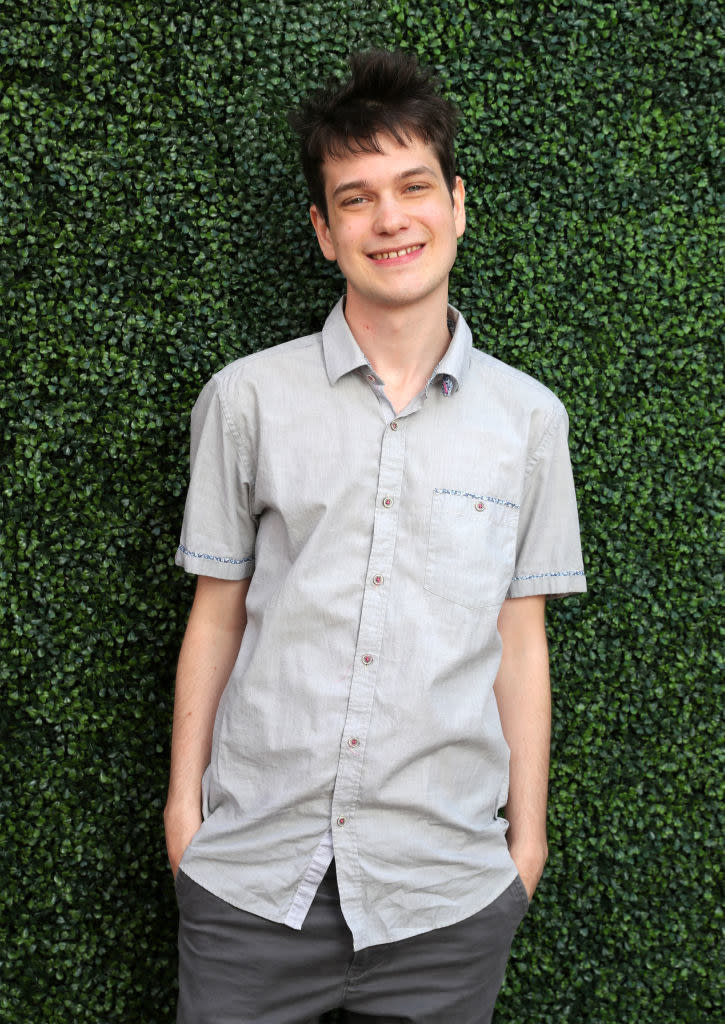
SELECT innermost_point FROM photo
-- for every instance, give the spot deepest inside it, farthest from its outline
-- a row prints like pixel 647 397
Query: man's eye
pixel 415 188
pixel 354 201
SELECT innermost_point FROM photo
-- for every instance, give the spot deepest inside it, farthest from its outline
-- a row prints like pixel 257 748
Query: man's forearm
pixel 211 644
pixel 524 701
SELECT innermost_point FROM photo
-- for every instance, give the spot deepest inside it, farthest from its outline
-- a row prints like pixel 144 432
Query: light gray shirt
pixel 360 717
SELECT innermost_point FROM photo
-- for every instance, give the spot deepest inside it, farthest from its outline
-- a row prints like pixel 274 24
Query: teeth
pixel 395 252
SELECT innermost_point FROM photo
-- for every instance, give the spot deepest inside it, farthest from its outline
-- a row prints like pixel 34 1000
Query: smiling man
pixel 376 514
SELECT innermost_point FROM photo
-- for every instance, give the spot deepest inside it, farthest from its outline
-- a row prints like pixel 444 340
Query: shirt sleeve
pixel 548 551
pixel 219 530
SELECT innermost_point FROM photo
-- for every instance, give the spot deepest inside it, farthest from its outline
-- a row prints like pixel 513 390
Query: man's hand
pixel 181 826
pixel 530 865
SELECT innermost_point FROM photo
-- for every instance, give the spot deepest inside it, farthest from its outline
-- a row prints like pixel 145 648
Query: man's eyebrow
pixel 350 186
pixel 362 184
pixel 415 171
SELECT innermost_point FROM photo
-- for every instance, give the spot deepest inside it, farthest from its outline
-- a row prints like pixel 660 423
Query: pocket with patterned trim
pixel 471 548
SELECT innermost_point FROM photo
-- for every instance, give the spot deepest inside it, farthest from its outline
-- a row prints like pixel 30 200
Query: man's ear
pixel 323 233
pixel 459 207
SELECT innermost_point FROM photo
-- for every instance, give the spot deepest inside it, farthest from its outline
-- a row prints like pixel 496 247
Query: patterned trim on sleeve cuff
pixel 215 558
pixel 546 575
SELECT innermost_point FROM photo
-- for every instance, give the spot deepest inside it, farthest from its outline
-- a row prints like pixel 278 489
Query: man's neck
pixel 403 346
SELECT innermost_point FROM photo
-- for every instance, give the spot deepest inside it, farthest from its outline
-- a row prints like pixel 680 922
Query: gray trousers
pixel 237 968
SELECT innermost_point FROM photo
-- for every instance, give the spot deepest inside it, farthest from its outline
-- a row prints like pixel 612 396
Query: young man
pixel 376 513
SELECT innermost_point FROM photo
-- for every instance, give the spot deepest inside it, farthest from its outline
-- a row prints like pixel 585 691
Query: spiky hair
pixel 387 93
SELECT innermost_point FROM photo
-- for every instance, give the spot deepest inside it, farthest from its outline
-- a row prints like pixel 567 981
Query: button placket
pixel 370 636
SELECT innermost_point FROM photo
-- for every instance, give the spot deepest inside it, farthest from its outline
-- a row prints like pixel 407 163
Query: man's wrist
pixel 530 852
pixel 182 804
pixel 530 858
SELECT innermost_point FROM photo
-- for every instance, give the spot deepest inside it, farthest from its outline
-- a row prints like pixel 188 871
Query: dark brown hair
pixel 387 93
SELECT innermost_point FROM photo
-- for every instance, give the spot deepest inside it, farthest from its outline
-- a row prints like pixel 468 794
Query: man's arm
pixel 524 702
pixel 211 644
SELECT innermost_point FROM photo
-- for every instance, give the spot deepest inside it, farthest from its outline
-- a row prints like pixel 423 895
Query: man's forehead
pixel 415 156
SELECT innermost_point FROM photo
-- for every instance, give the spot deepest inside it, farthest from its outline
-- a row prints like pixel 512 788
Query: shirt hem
pixel 400 934
pixel 307 889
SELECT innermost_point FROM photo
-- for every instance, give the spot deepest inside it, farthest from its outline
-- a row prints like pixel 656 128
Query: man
pixel 376 513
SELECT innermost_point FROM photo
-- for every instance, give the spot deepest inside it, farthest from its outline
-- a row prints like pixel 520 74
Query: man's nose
pixel 390 216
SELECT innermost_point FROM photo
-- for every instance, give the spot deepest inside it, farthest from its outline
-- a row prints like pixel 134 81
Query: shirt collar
pixel 343 354
pixel 453 367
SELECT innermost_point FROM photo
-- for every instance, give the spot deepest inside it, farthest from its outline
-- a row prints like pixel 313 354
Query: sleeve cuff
pixel 222 567
pixel 548 584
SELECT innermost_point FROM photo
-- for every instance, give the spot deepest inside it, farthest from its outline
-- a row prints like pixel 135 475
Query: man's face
pixel 392 225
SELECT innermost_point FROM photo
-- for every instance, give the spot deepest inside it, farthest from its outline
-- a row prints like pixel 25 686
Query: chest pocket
pixel 471 548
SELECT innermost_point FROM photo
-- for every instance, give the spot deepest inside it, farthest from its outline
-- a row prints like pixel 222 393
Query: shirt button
pixel 353 742
pixel 371 378
pixel 340 821
pixel 479 506
pixel 377 580
pixel 394 425
pixel 367 659
pixel 387 502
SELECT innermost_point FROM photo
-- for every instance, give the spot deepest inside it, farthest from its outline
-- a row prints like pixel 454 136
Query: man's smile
pixel 391 254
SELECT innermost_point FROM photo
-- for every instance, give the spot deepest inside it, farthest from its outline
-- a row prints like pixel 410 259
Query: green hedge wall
pixel 153 227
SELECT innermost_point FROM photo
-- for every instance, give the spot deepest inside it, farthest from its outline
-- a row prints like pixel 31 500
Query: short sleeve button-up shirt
pixel 359 719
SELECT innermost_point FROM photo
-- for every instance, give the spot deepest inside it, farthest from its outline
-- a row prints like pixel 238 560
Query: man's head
pixel 388 94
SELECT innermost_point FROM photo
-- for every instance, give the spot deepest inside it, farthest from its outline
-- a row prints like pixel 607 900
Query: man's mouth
pixel 394 253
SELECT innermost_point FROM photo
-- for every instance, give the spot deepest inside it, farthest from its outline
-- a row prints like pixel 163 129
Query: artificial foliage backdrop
pixel 153 226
